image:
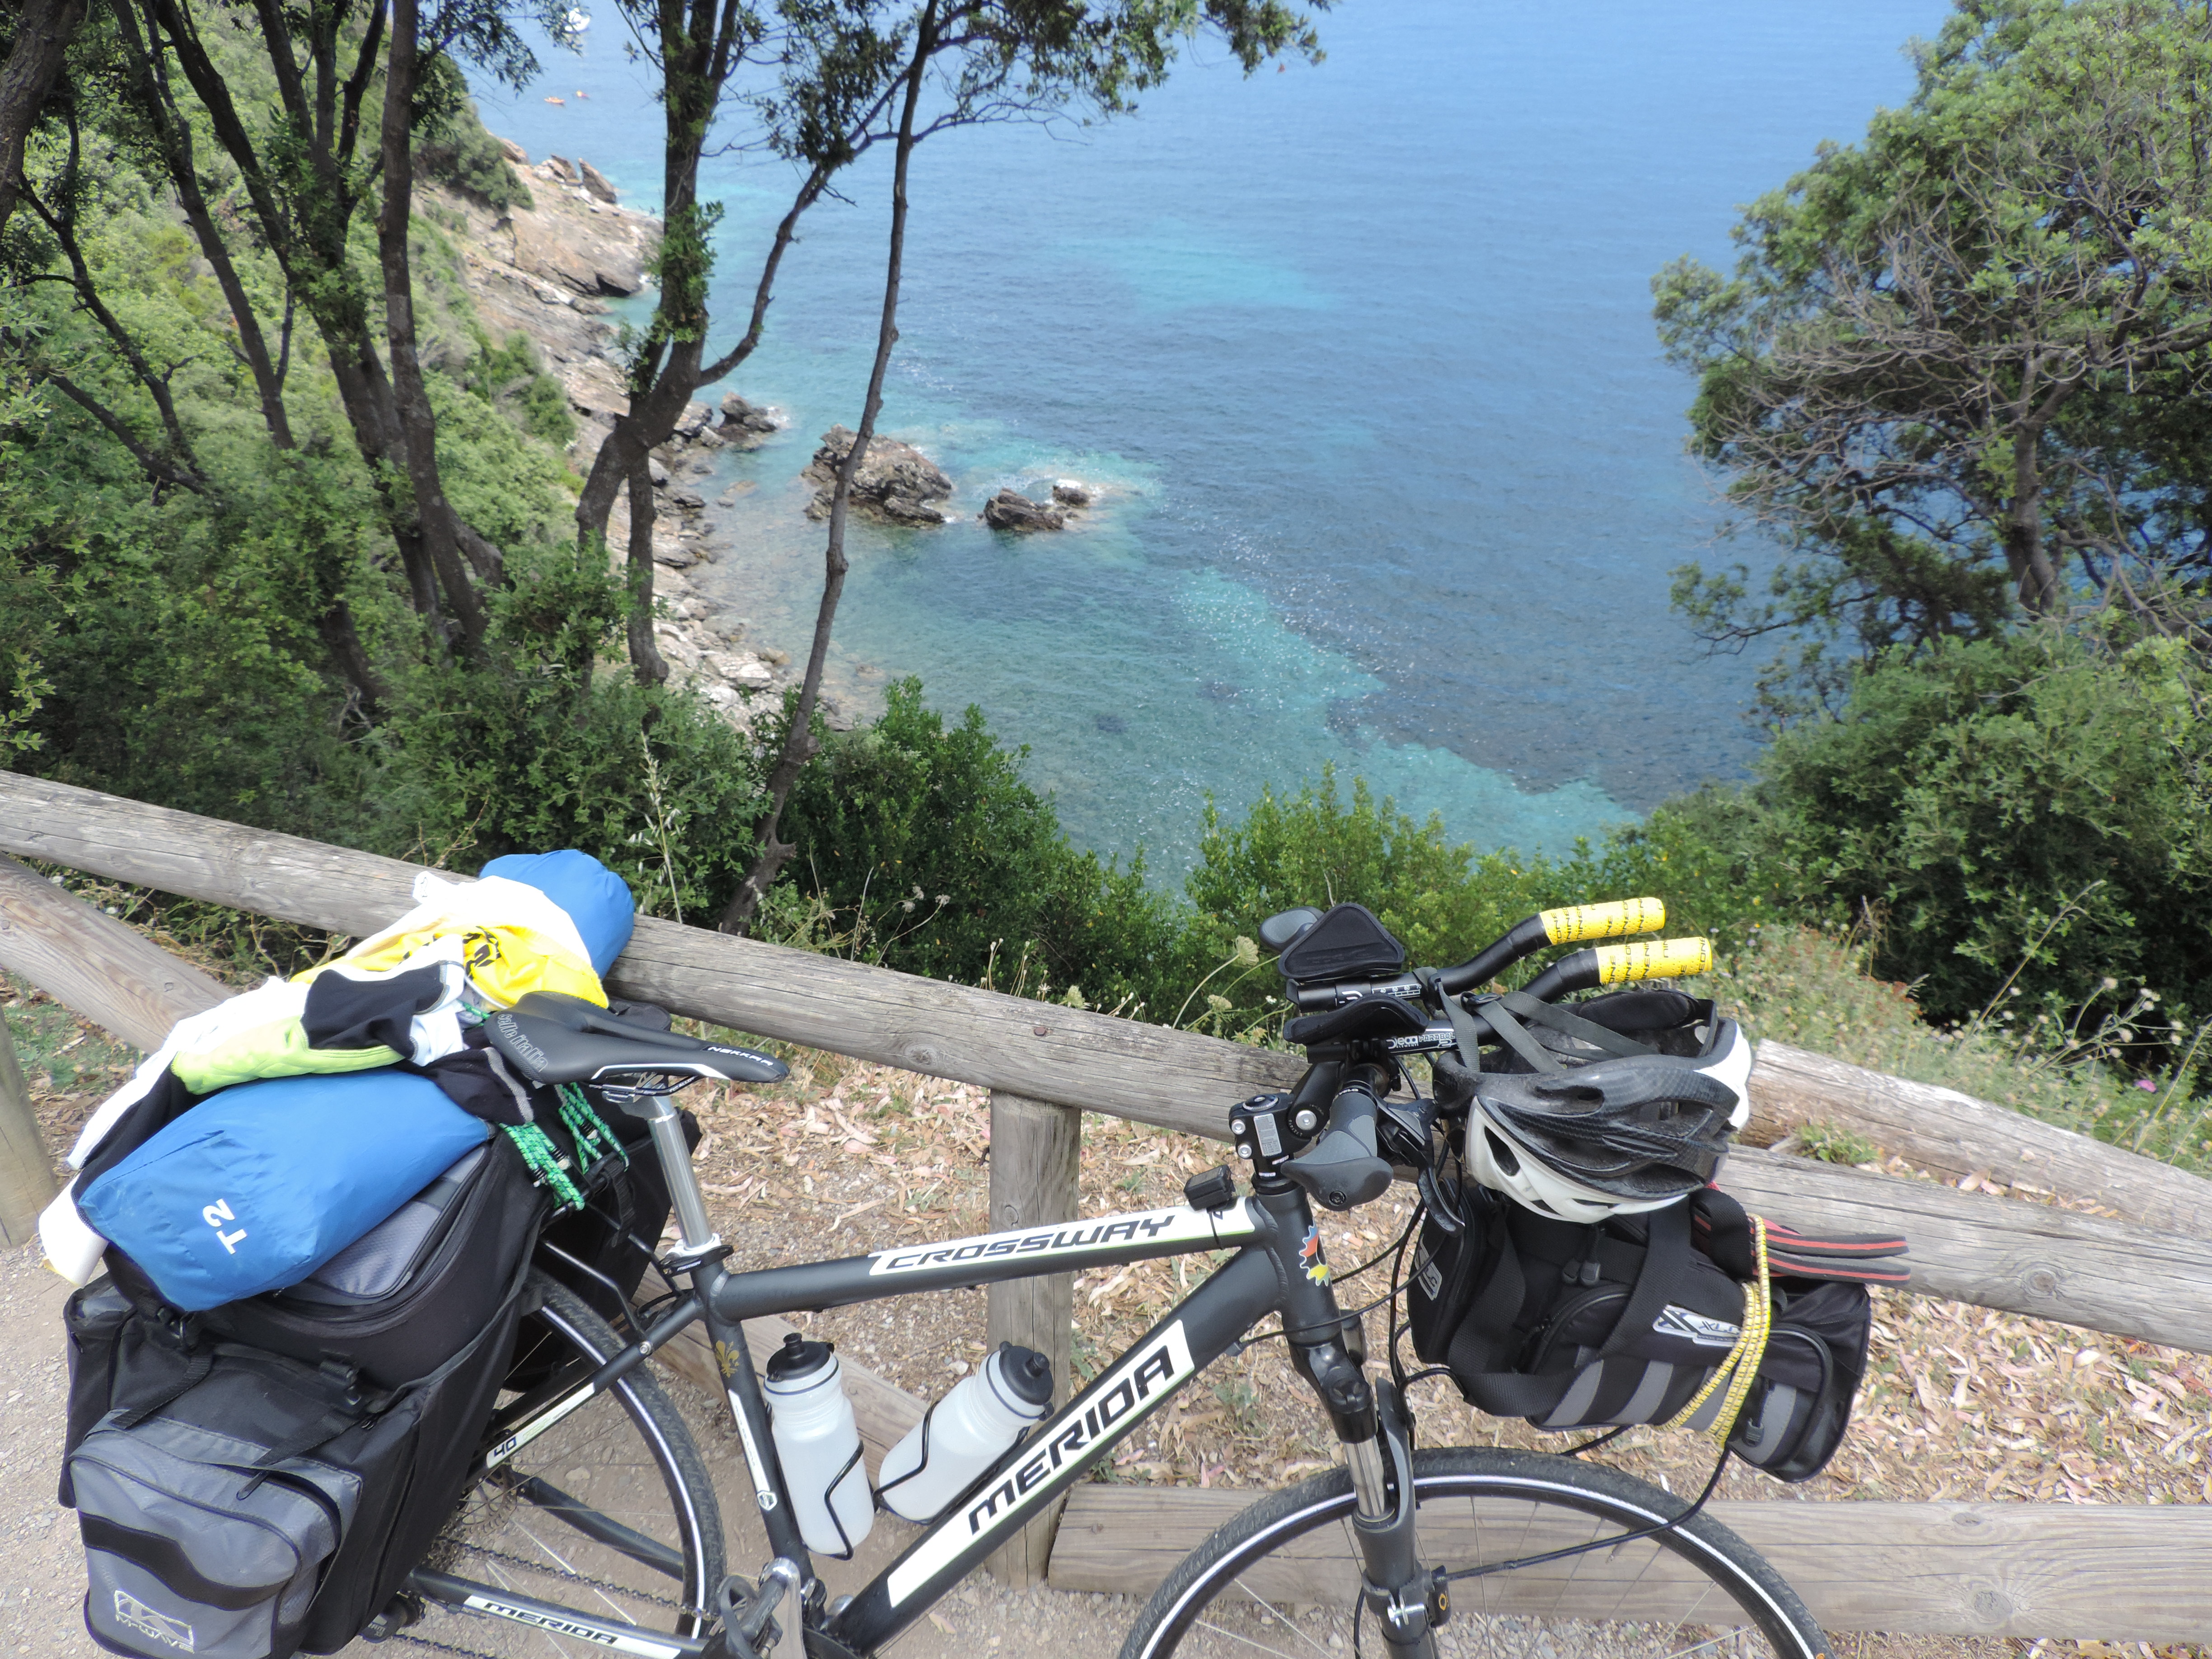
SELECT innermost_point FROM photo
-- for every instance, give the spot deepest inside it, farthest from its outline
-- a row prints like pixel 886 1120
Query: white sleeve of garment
pixel 73 1249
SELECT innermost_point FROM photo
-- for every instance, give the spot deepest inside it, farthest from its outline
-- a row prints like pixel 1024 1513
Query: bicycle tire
pixel 1282 1577
pixel 627 1455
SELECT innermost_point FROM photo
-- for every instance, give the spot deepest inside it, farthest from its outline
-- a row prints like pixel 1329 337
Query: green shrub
pixel 450 143
pixel 2025 821
pixel 921 848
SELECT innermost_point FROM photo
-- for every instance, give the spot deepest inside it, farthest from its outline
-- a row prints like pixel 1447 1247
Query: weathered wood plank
pixel 2001 1253
pixel 2018 1257
pixel 1952 1135
pixel 92 964
pixel 1041 1051
pixel 2130 1573
pixel 26 1168
pixel 1036 1154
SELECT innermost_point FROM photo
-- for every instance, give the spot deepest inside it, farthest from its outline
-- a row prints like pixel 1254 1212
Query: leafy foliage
pixel 1955 371
pixel 2025 817
pixel 452 146
pixel 934 856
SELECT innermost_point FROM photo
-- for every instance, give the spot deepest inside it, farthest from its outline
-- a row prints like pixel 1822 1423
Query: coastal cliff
pixel 548 272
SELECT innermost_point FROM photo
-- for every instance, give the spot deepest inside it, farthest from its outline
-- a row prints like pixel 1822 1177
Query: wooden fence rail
pixel 1041 1060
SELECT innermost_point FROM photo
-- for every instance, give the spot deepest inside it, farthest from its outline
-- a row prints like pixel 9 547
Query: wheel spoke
pixel 639 1532
pixel 1574 1566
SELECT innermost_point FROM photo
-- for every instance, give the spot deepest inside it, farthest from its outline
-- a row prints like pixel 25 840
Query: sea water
pixel 1359 358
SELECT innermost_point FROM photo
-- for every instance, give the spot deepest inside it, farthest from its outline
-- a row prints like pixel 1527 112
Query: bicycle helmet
pixel 1614 1137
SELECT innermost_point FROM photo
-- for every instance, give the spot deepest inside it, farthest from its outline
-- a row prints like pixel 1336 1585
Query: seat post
pixel 667 1126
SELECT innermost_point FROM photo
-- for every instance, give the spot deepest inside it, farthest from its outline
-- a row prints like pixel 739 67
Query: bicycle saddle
pixel 549 1041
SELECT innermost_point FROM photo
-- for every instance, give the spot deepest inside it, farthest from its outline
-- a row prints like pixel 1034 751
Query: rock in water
pixel 895 482
pixel 746 425
pixel 595 182
pixel 1011 510
pixel 1071 492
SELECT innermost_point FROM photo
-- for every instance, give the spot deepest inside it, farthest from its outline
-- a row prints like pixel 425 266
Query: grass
pixel 1811 990
pixel 59 1053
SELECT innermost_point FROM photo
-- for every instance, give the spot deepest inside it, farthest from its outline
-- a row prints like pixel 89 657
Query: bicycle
pixel 591 1526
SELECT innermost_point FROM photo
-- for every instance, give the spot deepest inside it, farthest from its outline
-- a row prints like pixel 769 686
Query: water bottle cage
pixel 836 1520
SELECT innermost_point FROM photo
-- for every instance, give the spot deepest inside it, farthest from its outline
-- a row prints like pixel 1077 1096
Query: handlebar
pixel 1568 925
pixel 1620 965
pixel 1343 1169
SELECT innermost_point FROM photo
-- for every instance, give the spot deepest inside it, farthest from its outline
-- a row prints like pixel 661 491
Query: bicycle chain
pixel 540 1568
pixel 516 1561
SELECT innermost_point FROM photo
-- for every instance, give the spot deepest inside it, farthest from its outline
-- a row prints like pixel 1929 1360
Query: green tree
pixel 979 60
pixel 2031 813
pixel 1955 372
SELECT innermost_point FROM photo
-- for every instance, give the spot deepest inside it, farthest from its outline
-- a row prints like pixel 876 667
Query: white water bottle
pixel 965 1432
pixel 819 1447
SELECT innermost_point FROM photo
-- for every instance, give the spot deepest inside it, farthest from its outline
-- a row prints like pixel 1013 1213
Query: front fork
pixel 1328 1350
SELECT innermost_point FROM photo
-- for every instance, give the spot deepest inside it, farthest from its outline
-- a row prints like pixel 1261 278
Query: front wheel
pixel 1283 1577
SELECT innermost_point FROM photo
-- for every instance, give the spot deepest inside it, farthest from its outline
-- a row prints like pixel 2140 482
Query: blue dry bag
pixel 258 1186
pixel 597 899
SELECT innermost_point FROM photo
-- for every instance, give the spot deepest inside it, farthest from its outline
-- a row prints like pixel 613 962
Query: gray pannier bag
pixel 207 1524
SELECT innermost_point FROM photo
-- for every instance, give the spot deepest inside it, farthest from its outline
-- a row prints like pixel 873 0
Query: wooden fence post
pixel 26 1168
pixel 1036 1151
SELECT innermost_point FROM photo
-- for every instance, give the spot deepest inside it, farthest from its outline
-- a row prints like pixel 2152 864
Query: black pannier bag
pixel 1575 1326
pixel 411 1292
pixel 259 1478
pixel 238 1503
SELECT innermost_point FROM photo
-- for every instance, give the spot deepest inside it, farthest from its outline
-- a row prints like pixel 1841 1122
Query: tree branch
pixel 798 742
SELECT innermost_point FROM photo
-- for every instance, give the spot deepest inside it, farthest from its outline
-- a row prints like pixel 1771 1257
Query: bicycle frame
pixel 1278 1268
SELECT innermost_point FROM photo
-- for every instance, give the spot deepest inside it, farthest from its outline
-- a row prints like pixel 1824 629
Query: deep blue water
pixel 1362 355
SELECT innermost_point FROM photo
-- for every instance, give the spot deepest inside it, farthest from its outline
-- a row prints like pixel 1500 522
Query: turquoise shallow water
pixel 1361 356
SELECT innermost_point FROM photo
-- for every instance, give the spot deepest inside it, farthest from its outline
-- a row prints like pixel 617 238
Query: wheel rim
pixel 583 1517
pixel 1291 1588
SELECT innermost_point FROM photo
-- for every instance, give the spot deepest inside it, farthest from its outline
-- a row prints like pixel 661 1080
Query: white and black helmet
pixel 1611 1136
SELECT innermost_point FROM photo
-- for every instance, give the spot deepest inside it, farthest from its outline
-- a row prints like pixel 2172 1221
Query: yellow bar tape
pixel 1741 1367
pixel 1570 924
pixel 1666 958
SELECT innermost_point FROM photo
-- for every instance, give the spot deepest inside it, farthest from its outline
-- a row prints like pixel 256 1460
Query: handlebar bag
pixel 1579 1326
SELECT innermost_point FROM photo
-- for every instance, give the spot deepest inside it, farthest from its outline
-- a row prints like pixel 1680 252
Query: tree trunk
pixel 645 658
pixel 410 399
pixel 799 744
pixel 149 70
pixel 2027 555
pixel 43 33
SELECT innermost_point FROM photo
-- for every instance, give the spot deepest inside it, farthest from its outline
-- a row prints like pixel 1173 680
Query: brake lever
pixel 1344 1168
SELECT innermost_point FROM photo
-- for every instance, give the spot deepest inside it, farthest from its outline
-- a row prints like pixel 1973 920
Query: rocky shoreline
pixel 547 272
